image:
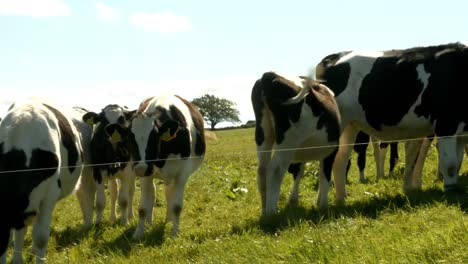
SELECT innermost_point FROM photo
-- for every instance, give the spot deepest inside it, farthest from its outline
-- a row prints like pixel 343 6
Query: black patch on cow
pixel 177 210
pixel 197 119
pixel 277 90
pixel 336 77
pixel 393 155
pixel 294 169
pixel 4 237
pixel 68 138
pixel 177 146
pixel 444 100
pixel 323 105
pixel 328 164
pixel 389 90
pixel 59 183
pixel 18 180
pixel 327 62
pixel 361 144
pixel 258 105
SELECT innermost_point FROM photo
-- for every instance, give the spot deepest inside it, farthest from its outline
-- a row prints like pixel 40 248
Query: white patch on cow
pixel 360 54
pixel 141 128
pixel 113 113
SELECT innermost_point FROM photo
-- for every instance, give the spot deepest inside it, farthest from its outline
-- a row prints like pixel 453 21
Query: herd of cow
pixel 47 152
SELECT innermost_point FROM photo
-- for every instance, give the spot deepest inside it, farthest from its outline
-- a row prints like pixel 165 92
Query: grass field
pixel 379 224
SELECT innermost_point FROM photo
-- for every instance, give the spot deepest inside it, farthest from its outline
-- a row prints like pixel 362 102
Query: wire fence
pixel 230 154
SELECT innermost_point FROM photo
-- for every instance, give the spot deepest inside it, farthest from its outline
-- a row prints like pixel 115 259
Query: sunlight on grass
pixel 220 223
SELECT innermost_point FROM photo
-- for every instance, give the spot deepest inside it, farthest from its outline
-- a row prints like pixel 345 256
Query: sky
pixel 93 53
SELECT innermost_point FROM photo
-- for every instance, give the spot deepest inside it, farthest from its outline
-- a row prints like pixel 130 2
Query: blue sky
pixel 92 53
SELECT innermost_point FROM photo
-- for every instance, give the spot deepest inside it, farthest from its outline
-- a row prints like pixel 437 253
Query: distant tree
pixel 216 110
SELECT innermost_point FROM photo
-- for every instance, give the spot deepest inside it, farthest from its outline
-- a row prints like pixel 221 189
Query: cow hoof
pixel 138 235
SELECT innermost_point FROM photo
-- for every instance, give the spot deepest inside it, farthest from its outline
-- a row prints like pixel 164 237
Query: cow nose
pixel 140 169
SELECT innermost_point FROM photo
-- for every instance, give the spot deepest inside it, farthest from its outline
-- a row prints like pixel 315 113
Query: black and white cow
pixel 41 160
pixel 284 134
pixel 400 94
pixel 111 160
pixel 168 142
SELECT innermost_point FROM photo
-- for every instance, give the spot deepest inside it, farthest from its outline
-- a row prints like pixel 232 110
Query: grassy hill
pixel 379 224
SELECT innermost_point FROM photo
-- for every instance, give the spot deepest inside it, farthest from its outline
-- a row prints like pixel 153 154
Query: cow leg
pixel 297 170
pixel 412 148
pixel 175 199
pixel 418 167
pixel 145 209
pixel 100 201
pixel 125 194
pixel 325 170
pixel 132 194
pixel 362 142
pixel 393 157
pixel 347 140
pixel 85 194
pixel 18 245
pixel 275 174
pixel 264 159
pixel 41 227
pixel 4 241
pixel 113 190
pixel 379 158
pixel 450 152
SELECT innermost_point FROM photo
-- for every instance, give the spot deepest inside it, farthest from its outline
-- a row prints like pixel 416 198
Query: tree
pixel 216 110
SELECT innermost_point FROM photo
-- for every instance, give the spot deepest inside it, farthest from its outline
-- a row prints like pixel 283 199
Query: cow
pixel 399 95
pixel 111 160
pixel 41 160
pixel 168 142
pixel 297 133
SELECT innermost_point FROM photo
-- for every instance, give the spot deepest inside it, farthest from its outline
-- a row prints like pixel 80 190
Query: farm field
pixel 220 221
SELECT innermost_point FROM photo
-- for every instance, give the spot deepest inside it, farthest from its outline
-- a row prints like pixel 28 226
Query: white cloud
pixel 163 22
pixel 106 13
pixel 35 8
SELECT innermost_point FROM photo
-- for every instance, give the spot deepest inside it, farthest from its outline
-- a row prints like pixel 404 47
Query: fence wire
pixel 229 154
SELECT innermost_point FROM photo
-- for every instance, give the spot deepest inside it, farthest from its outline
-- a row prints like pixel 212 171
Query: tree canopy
pixel 216 110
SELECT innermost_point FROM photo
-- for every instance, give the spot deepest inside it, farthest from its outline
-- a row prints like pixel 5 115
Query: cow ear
pixel 168 130
pixel 91 118
pixel 129 114
pixel 116 132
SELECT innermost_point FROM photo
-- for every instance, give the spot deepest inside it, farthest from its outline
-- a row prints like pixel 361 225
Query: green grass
pixel 379 224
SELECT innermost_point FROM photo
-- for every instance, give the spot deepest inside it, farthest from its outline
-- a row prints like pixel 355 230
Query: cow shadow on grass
pixel 74 235
pixel 371 208
pixel 154 237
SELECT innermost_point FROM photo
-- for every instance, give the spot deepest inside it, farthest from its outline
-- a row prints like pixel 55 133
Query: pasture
pixel 220 221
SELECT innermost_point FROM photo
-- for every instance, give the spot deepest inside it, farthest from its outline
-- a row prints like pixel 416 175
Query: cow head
pixel 105 148
pixel 144 136
pixel 109 115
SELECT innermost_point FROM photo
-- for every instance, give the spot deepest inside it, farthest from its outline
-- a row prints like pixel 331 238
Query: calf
pixel 167 139
pixel 41 160
pixel 400 94
pixel 111 160
pixel 296 133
